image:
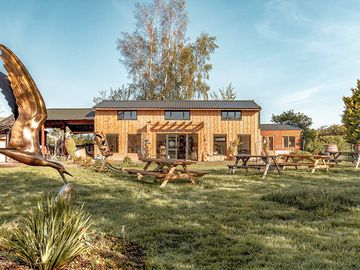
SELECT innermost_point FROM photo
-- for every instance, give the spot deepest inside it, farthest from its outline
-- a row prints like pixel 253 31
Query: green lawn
pixel 297 220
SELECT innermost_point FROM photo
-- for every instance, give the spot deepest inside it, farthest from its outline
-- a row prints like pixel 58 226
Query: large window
pixel 244 146
pixel 231 115
pixel 177 115
pixel 127 115
pixel 134 143
pixel 289 141
pixel 219 145
pixel 269 141
pixel 113 141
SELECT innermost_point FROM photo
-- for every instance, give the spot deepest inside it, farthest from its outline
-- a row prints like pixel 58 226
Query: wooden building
pixel 282 138
pixel 197 130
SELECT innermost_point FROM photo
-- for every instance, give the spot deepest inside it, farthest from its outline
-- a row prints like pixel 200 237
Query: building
pixel 78 120
pixel 282 138
pixel 191 129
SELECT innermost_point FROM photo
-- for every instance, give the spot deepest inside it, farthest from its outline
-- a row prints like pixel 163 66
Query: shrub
pixel 51 235
pixel 127 161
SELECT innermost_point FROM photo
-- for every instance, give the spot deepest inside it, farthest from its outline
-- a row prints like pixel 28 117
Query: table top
pixel 170 161
pixel 305 156
pixel 254 156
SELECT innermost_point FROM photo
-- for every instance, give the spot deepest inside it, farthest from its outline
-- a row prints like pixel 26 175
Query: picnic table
pixel 337 157
pixel 167 169
pixel 266 162
pixel 311 161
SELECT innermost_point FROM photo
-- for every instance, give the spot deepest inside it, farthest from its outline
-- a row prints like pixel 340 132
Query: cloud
pixel 301 95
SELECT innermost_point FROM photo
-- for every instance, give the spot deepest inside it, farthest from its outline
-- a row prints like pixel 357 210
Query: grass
pixel 297 220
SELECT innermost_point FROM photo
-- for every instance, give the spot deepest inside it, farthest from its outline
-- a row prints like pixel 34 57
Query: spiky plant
pixel 51 235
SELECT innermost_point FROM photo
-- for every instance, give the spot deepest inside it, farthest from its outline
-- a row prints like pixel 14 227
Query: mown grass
pixel 294 221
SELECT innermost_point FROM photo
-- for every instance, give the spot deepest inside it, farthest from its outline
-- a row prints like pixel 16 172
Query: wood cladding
pixel 205 123
pixel 278 138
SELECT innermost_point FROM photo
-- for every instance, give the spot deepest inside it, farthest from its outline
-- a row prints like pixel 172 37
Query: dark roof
pixel 178 104
pixel 279 127
pixel 58 114
pixel 7 121
pixel 70 114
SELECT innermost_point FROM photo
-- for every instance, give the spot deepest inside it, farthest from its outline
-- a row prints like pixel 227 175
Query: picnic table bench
pixel 300 160
pixel 167 169
pixel 266 163
pixel 340 156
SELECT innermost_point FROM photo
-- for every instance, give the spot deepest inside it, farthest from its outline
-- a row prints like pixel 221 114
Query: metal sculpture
pixel 29 111
pixel 101 142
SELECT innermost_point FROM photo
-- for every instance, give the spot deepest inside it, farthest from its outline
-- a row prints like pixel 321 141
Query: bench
pixel 141 173
pixel 249 166
pixel 195 173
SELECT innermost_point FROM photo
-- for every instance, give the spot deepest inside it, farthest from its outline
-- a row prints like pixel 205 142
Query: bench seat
pixel 195 173
pixel 142 172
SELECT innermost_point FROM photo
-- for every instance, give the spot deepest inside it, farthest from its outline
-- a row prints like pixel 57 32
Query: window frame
pixel 124 111
pixel 166 117
pixel 127 146
pixel 227 118
pixel 287 140
pixel 113 148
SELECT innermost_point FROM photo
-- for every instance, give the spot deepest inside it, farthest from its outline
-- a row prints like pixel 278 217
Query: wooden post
pixel 43 140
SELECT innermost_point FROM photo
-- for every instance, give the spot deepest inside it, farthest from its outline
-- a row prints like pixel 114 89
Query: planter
pixel 331 148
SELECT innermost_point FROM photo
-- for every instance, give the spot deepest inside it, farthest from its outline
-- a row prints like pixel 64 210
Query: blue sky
pixel 302 55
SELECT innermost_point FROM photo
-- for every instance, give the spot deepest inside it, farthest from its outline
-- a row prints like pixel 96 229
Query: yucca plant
pixel 51 235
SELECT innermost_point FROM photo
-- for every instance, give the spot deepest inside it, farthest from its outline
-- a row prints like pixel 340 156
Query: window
pixel 219 145
pixel 113 141
pixel 134 143
pixel 289 141
pixel 271 143
pixel 244 146
pixel 127 115
pixel 231 115
pixel 177 115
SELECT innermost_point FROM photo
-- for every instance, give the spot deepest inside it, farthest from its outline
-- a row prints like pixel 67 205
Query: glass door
pixel 171 145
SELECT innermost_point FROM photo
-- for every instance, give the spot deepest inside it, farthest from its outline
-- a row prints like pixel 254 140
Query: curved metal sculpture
pixel 101 142
pixel 30 114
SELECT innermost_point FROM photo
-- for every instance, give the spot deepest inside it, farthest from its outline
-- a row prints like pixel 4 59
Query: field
pixel 294 221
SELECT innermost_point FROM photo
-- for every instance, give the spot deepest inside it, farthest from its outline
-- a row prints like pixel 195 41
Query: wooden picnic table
pixel 310 161
pixel 267 162
pixel 353 156
pixel 167 169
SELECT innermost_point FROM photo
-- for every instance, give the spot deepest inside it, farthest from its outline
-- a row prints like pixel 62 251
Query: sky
pixel 284 54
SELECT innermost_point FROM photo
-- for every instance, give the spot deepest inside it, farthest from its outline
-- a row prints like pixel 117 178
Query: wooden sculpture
pixel 29 111
pixel 101 142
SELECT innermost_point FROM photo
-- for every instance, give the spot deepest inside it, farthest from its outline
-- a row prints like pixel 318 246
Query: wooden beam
pixel 43 140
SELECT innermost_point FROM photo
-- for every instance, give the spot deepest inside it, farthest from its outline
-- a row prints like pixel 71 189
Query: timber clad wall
pixel 205 123
pixel 278 139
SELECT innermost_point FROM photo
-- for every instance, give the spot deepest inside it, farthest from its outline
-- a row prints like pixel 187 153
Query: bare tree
pixel 161 62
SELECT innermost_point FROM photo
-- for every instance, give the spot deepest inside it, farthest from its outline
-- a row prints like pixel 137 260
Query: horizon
pixel 281 54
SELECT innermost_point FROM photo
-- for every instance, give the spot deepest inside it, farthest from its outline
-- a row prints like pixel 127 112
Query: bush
pixel 50 236
pixel 127 161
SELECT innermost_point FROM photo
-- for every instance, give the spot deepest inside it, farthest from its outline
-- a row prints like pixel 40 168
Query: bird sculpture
pixel 29 111
pixel 101 142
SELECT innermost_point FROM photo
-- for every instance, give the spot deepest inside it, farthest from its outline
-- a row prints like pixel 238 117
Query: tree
pixel 227 93
pixel 161 62
pixel 301 120
pixel 351 116
pixel 121 93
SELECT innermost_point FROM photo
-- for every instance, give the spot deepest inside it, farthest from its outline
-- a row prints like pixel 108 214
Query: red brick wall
pixel 278 138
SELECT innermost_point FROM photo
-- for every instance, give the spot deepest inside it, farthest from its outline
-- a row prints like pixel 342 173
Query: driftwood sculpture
pixel 101 142
pixel 29 111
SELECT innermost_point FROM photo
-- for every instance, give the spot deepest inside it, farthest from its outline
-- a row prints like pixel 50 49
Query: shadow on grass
pixel 197 227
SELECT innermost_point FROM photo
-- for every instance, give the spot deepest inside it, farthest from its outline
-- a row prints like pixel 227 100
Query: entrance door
pixel 171 145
